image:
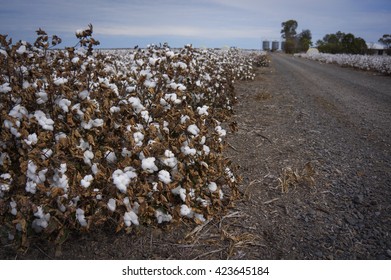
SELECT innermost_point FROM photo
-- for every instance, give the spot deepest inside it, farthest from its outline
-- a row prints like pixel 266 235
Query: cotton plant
pixel 133 137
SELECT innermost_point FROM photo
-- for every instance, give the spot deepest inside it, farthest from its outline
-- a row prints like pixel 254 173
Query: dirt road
pixel 337 120
pixel 314 151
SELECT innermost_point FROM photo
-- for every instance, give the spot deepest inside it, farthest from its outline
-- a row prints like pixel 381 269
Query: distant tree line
pixel 342 43
pixel 338 42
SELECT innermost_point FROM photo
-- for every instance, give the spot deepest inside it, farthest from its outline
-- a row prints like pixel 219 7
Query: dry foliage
pixel 293 178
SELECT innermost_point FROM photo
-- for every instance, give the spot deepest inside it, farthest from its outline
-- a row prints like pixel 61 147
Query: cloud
pixel 202 20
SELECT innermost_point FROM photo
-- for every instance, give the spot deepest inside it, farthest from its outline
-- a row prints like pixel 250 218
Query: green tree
pixel 288 32
pixel 386 41
pixel 304 40
pixel 342 43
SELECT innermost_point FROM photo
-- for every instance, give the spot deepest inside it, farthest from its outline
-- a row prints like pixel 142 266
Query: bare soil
pixel 314 149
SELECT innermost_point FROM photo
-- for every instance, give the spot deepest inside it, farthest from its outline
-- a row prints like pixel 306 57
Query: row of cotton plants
pixel 376 63
pixel 120 138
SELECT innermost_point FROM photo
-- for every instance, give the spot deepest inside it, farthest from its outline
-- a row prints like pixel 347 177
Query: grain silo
pixel 275 45
pixel 266 45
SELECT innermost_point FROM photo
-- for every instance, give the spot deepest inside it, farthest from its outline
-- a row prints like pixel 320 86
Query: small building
pixel 312 51
pixel 376 49
pixel 275 46
pixel 266 45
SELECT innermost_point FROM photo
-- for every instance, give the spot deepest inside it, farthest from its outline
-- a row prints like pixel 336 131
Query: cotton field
pixel 376 63
pixel 116 137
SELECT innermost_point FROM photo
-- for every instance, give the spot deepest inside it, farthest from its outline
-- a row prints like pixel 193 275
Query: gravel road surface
pixel 337 121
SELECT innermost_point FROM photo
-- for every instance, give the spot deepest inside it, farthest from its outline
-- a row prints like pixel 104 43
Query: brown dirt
pixel 303 198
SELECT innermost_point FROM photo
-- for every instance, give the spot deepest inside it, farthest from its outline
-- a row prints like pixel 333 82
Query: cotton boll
pixel 80 217
pixel 162 217
pixel 60 81
pixel 125 152
pixel 131 218
pixel 115 109
pixel 5 88
pixel 83 94
pixel 136 104
pixel 200 217
pixel 181 192
pixel 206 149
pixel 121 180
pixel 184 119
pixel 138 138
pixel 111 204
pixel 21 49
pixel 42 97
pixel 220 131
pixel 32 139
pixel 164 176
pixel 6 184
pixel 42 220
pixel 193 129
pixel 186 211
pixel 64 104
pixel 97 122
pixel 87 157
pixel 94 169
pixel 46 123
pixel 13 206
pixel 203 110
pixel 148 164
pixel 86 181
pixel 46 153
pixel 188 151
pixel 212 186
pixel 110 157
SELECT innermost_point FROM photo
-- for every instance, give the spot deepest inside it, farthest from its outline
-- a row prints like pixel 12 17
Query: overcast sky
pixel 203 23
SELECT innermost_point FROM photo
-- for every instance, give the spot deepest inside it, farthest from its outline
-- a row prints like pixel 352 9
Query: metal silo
pixel 266 45
pixel 275 45
pixel 283 45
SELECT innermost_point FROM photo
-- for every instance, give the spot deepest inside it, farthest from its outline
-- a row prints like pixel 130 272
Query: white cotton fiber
pixel 186 211
pixel 4 88
pixel 164 176
pixel 193 129
pixel 122 179
pixel 111 204
pixel 86 181
pixel 162 217
pixel 131 218
pixel 80 217
pixel 46 123
pixel 203 110
pixel 148 164
pixel 181 192
pixel 212 186
pixel 32 139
